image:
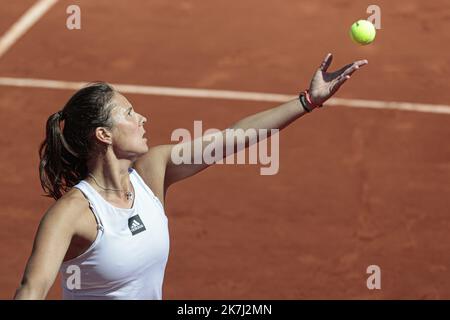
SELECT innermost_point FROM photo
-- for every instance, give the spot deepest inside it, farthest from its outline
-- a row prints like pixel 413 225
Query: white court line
pixel 25 22
pixel 223 94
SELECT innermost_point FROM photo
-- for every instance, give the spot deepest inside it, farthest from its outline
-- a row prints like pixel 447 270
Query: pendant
pixel 129 195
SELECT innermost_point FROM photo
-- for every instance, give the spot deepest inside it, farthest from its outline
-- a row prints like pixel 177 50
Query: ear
pixel 104 135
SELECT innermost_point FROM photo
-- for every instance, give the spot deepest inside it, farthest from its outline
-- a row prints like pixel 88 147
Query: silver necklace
pixel 128 194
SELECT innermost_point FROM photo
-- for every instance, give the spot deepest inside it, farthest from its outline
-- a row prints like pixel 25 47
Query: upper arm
pixel 159 171
pixel 152 168
pixel 52 240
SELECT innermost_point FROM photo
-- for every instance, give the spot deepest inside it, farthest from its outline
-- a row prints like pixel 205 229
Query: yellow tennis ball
pixel 363 32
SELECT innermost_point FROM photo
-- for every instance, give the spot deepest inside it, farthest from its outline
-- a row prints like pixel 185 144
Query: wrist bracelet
pixel 308 98
pixel 304 101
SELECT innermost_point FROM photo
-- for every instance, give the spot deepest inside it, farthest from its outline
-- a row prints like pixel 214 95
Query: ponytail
pixel 64 152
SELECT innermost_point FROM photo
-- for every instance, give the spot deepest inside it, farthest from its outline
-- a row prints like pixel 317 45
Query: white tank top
pixel 127 260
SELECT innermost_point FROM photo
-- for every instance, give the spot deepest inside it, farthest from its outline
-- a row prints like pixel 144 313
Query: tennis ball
pixel 362 32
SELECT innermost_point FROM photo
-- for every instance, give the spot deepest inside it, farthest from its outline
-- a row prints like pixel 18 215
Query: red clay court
pixel 357 185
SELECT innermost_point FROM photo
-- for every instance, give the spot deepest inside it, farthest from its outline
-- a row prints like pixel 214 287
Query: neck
pixel 110 174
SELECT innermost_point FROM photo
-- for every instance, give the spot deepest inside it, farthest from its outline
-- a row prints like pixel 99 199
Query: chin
pixel 146 148
pixel 141 148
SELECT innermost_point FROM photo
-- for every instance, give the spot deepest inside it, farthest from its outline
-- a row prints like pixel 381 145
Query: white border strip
pixel 223 94
pixel 25 22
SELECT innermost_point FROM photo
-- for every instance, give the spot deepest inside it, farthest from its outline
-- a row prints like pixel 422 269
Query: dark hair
pixel 64 152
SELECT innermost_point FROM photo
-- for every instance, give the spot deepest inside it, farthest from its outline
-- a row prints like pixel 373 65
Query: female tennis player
pixel 107 231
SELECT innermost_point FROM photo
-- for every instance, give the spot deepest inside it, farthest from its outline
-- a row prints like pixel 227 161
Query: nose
pixel 143 120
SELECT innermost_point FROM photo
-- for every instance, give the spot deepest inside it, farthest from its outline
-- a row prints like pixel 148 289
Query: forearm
pixel 261 126
pixel 274 118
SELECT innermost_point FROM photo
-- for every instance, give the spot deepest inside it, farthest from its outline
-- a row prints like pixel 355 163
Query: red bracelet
pixel 308 98
pixel 304 102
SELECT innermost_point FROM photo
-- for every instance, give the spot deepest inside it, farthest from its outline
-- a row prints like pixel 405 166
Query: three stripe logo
pixel 136 225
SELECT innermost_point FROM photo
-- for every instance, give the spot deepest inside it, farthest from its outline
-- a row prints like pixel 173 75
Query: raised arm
pixel 323 85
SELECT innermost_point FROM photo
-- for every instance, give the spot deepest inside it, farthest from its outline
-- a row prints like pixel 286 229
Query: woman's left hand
pixel 324 85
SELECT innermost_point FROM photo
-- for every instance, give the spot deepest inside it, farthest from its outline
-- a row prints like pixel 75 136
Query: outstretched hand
pixel 325 84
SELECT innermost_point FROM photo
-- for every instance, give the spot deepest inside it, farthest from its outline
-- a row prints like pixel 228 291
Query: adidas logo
pixel 136 225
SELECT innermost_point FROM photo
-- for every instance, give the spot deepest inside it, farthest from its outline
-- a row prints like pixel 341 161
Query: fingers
pixel 345 74
pixel 353 67
pixel 339 82
pixel 350 70
pixel 326 62
pixel 361 63
pixel 342 70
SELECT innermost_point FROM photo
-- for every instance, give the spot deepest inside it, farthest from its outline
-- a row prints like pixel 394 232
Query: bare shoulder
pixel 155 157
pixel 67 210
pixel 152 168
pixel 57 228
